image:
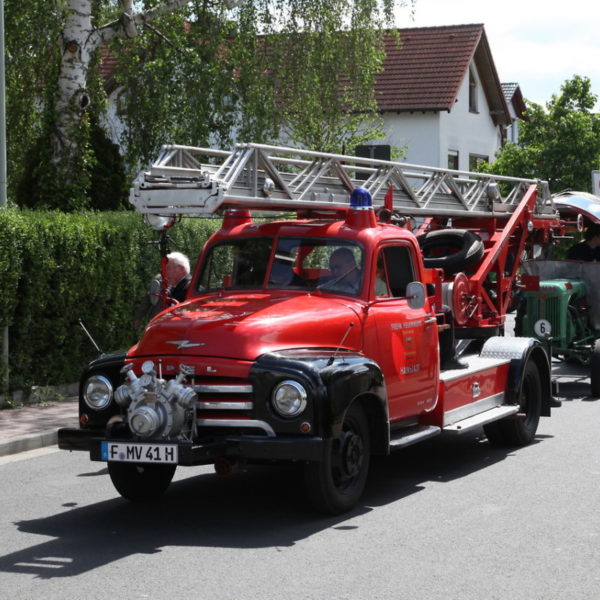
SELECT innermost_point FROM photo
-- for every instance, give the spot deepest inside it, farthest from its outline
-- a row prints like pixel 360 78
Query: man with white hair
pixel 178 275
pixel 178 281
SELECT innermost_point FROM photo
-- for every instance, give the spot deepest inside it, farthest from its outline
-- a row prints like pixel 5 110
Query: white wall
pixel 467 132
pixel 512 131
pixel 429 136
pixel 111 121
pixel 416 133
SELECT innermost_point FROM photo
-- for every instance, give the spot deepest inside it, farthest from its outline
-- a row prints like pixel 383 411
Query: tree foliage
pixel 56 268
pixel 301 70
pixel 200 72
pixel 559 143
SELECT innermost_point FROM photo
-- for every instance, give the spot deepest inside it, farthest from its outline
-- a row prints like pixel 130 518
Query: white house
pixel 438 93
pixel 440 98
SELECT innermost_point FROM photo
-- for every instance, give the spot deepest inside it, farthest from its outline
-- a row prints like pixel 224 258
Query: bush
pixel 56 268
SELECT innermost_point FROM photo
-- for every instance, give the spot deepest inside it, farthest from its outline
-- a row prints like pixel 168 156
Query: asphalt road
pixel 449 518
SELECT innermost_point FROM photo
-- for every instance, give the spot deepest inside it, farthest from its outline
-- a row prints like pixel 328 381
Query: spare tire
pixel 453 250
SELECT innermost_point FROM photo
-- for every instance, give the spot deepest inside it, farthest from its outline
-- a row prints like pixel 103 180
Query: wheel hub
pixel 352 454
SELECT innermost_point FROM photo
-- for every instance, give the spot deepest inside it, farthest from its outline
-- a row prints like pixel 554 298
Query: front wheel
pixel 520 430
pixel 335 484
pixel 140 482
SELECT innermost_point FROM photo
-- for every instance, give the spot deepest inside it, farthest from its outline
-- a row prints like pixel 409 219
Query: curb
pixel 31 441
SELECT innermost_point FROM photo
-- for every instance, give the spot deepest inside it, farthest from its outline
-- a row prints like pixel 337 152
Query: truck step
pixel 412 435
pixel 483 418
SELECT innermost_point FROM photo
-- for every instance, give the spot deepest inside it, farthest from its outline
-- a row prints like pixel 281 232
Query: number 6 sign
pixel 542 328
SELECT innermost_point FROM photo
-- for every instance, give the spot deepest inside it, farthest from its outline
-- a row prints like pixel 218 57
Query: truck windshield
pixel 237 264
pixel 329 265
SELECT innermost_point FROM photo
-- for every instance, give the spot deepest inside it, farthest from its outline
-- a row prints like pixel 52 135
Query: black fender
pixel 521 351
pixel 332 381
pixel 453 250
pixel 110 366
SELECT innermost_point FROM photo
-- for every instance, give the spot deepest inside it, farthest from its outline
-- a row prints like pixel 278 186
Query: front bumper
pixel 283 448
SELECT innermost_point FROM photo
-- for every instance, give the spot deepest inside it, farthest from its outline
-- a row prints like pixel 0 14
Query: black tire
pixel 520 431
pixel 453 250
pixel 335 484
pixel 595 370
pixel 140 482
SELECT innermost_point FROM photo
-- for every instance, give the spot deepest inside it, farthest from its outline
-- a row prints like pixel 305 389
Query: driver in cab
pixel 345 274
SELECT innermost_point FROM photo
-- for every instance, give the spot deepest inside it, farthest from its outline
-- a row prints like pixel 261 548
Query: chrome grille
pixel 227 406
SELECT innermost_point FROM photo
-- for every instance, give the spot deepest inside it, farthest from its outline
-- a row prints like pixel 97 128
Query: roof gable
pixel 513 95
pixel 426 70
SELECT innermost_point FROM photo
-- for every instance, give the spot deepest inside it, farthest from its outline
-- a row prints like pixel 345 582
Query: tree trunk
pixel 72 98
pixel 79 42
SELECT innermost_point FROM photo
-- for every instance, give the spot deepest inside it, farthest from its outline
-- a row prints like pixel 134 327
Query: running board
pixel 411 435
pixel 482 419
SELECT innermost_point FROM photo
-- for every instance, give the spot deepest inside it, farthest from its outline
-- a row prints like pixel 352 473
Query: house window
pixel 472 92
pixel 453 159
pixel 378 151
pixel 475 159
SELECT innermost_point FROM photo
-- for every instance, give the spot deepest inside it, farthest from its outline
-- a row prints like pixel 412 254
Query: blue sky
pixel 536 43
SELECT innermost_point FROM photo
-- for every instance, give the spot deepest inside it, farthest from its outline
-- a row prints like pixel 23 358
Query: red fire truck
pixel 365 317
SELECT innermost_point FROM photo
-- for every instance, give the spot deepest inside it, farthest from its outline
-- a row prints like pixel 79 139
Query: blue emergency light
pixel 360 198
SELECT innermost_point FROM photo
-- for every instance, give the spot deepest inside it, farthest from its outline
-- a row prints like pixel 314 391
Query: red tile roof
pixel 426 70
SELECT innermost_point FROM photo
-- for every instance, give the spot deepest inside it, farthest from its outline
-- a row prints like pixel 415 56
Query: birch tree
pixel 192 71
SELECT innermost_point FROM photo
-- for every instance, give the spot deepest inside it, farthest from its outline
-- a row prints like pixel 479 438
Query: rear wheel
pixel 335 484
pixel 595 370
pixel 520 431
pixel 140 482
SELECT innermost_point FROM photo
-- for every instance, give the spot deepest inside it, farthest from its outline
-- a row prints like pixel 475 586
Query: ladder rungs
pixel 279 178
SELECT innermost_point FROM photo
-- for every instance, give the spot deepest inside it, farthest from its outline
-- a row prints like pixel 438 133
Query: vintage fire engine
pixel 369 320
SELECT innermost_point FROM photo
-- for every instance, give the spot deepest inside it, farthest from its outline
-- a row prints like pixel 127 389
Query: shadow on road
pixel 262 507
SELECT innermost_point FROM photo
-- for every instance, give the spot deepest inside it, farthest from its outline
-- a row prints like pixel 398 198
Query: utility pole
pixel 3 185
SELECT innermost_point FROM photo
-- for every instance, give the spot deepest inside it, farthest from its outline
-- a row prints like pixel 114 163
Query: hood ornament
pixel 185 344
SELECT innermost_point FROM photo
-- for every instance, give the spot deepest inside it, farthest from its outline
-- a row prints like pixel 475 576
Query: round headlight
pixel 289 398
pixel 98 392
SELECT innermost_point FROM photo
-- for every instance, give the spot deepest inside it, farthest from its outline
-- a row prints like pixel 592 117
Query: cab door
pixel 403 340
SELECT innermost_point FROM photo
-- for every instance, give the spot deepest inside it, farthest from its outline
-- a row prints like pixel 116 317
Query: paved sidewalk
pixel 35 425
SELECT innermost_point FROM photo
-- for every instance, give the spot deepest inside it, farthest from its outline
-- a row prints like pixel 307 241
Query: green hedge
pixel 56 268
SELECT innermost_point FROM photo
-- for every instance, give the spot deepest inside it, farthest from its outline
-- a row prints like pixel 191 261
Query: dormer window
pixel 472 92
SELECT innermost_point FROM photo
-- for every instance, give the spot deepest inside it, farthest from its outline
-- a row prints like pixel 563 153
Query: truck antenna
pixel 90 336
pixel 334 355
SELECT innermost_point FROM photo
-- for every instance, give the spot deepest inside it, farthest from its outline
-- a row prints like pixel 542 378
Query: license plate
pixel 139 453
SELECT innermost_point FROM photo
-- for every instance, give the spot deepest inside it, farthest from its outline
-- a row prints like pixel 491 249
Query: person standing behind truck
pixel 178 275
pixel 589 248
pixel 178 281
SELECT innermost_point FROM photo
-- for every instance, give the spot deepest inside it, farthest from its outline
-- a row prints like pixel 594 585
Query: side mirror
pixel 415 294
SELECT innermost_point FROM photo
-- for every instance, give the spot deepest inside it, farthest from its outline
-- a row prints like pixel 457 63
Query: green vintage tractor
pixel 556 309
pixel 560 299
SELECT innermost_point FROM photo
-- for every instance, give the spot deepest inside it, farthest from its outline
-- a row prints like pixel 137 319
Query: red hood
pixel 244 326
